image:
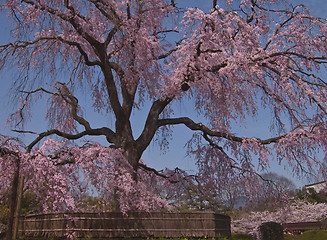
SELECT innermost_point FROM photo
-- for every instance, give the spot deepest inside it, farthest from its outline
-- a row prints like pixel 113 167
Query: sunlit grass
pixel 309 235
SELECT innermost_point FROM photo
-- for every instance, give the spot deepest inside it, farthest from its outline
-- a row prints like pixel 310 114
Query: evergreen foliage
pixel 270 231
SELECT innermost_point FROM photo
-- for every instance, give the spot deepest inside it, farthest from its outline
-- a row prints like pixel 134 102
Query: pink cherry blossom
pixel 299 211
pixel 232 65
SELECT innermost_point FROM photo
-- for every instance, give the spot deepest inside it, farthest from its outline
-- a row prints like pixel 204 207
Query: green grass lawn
pixel 309 235
pixel 237 236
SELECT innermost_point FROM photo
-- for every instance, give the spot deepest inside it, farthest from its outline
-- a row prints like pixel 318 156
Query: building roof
pixel 314 184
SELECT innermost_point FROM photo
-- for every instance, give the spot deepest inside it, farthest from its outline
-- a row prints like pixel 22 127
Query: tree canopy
pixel 229 63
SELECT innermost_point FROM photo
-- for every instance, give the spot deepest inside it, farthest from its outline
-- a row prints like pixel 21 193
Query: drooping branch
pixel 234 164
pixel 23 44
pixel 88 62
pixel 212 144
pixel 268 91
pixel 73 102
pixel 67 96
pixel 71 18
pixel 288 53
pixel 297 80
pixel 106 10
pixel 25 101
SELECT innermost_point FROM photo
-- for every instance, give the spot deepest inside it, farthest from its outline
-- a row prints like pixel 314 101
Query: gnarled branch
pixel 104 131
pixel 200 127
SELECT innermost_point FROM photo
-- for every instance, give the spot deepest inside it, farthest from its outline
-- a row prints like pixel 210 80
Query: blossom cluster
pixel 61 176
pixel 298 211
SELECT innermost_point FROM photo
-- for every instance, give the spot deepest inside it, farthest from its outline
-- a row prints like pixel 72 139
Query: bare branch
pixel 167 54
pixel 24 131
pixel 24 44
pixel 149 169
pixel 214 3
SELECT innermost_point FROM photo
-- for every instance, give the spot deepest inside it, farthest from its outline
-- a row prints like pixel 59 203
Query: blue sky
pixel 176 154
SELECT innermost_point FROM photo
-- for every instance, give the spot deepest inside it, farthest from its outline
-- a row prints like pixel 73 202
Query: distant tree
pixel 273 191
pixel 310 195
pixel 136 55
pixel 194 197
pixel 281 183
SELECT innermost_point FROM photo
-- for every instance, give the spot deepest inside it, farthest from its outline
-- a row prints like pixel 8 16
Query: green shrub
pixel 270 231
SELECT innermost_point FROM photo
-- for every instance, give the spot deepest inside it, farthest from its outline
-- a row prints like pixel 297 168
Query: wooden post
pixel 15 198
pixel 18 206
pixel 13 202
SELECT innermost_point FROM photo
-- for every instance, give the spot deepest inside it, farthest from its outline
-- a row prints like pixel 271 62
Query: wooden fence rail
pixel 303 226
pixel 133 225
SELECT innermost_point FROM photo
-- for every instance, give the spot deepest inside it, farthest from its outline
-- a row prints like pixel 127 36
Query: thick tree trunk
pixel 133 156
